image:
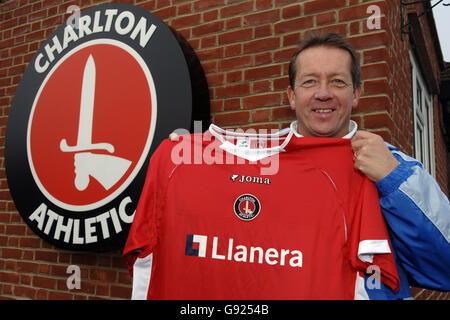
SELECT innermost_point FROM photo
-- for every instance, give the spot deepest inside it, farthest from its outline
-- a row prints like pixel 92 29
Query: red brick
pixel 231 10
pixel 264 58
pixel 291 11
pixel 317 6
pixel 215 79
pixel 11 253
pixel 370 104
pixel 233 90
pixel 282 113
pixel 184 8
pixel 337 28
pixel 261 115
pixel 325 18
pixel 30 242
pixel 120 292
pixel 102 289
pixel 233 23
pixel 50 22
pixel 294 25
pixel 281 83
pixel 236 36
pixel 16 229
pixel 261 45
pixel 265 100
pixel 369 40
pixel 234 76
pixel 233 50
pixel 38 35
pixel 263 31
pixel 23 10
pixel 283 55
pixel 104 275
pixel 263 4
pixel 162 3
pixel 232 118
pixel 9 277
pixel 375 87
pixel 210 54
pixel 232 104
pixel 44 282
pixel 208 28
pixel 385 134
pixel 359 12
pixel 186 21
pixel 54 295
pixel 376 70
pixel 10 5
pixel 261 86
pixel 262 72
pixel 203 5
pixel 210 15
pixel 26 292
pixel 235 63
pixel 208 41
pixel 283 2
pixel 49 256
pixel 375 55
pixel 262 17
pixel 380 120
pixel 84 259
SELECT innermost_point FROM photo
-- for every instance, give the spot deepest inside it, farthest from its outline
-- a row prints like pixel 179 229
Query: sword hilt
pixel 81 148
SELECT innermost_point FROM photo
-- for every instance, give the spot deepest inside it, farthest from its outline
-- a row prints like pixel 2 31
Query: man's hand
pixel 371 156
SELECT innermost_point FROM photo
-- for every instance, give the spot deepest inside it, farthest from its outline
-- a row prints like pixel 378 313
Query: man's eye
pixel 308 83
pixel 339 83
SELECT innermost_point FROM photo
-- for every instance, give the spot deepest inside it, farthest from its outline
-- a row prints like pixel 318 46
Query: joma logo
pixel 250 179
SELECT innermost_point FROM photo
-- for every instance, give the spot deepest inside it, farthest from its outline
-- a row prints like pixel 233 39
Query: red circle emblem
pixel 91 129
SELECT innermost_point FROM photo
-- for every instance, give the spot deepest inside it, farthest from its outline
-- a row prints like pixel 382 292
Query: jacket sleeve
pixel 418 215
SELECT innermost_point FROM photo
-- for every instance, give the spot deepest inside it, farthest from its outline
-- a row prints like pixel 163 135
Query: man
pixel 325 87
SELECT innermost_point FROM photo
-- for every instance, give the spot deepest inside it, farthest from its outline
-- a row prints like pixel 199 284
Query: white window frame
pixel 423 119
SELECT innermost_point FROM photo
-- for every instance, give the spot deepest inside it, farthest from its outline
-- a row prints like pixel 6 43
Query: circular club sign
pixel 95 101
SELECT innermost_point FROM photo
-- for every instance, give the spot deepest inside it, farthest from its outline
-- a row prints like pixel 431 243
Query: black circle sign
pixel 94 102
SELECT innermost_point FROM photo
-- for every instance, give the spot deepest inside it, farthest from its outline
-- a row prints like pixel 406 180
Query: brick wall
pixel 244 47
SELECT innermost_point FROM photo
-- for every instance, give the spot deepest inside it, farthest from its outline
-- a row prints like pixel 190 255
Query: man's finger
pixel 361 134
pixel 357 144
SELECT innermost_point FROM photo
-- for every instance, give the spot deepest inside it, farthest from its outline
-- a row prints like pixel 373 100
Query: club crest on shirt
pixel 247 207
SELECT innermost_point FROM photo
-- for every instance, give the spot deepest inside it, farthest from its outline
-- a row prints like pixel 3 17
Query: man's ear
pixel 356 96
pixel 291 97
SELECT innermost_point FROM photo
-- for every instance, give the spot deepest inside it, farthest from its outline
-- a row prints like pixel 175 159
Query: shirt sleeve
pixel 370 248
pixel 143 236
pixel 418 216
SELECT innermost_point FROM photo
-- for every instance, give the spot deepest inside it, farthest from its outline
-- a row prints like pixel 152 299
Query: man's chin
pixel 324 133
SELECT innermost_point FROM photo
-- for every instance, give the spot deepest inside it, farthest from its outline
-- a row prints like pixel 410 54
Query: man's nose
pixel 323 92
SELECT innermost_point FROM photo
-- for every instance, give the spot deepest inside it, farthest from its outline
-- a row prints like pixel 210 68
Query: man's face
pixel 323 95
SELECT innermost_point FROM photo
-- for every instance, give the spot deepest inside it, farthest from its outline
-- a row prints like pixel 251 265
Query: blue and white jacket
pixel 417 213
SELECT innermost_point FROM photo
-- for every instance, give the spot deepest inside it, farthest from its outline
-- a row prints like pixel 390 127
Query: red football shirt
pixel 296 221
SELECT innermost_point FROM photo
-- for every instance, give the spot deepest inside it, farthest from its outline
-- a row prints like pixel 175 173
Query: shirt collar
pixel 352 128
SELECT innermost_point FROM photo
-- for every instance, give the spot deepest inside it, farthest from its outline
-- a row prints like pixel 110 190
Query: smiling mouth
pixel 323 110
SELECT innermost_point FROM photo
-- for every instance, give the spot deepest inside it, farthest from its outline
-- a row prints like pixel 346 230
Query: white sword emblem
pixel 105 168
pixel 246 209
